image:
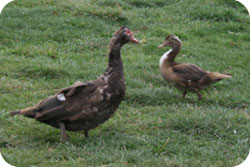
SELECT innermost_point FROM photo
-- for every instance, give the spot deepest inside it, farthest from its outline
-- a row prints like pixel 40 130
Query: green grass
pixel 50 44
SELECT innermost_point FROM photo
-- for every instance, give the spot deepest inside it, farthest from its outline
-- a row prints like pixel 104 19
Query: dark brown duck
pixel 185 76
pixel 85 105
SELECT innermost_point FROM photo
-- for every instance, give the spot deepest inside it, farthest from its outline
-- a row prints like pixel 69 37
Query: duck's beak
pixel 133 39
pixel 162 45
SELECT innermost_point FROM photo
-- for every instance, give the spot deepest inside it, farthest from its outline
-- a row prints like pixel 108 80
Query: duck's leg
pixel 198 94
pixel 64 135
pixel 184 94
pixel 86 134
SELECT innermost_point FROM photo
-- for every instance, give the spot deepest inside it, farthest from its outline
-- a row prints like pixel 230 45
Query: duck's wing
pixel 71 90
pixel 188 72
pixel 68 104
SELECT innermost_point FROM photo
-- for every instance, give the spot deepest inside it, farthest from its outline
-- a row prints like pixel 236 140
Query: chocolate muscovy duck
pixel 185 76
pixel 85 105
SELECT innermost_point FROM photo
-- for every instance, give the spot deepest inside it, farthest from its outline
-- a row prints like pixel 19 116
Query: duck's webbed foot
pixel 64 136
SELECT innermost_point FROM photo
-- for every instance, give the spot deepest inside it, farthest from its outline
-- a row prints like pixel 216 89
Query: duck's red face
pixel 130 36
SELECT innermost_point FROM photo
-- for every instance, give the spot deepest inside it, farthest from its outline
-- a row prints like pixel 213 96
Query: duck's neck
pixel 115 61
pixel 169 56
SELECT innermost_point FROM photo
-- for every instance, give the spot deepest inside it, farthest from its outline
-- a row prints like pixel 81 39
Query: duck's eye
pixel 128 32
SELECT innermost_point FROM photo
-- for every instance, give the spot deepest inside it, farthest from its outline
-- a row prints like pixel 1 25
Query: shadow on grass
pixel 169 97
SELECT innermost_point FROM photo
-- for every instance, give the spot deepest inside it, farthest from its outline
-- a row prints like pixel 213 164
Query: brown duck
pixel 85 105
pixel 185 76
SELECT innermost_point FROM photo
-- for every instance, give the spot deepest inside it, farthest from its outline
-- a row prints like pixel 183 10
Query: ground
pixel 50 44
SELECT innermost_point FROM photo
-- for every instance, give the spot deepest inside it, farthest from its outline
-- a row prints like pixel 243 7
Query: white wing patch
pixel 61 97
pixel 165 56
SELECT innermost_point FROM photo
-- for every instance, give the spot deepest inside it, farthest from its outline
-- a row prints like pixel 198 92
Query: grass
pixel 50 44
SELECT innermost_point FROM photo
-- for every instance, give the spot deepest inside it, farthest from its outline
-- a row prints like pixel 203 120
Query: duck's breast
pixel 168 74
pixel 164 57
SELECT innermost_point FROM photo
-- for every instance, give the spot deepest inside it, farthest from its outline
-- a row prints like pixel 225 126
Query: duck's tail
pixel 27 112
pixel 15 112
pixel 212 77
pixel 215 76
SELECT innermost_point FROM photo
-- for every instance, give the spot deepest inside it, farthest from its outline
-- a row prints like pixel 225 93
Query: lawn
pixel 50 44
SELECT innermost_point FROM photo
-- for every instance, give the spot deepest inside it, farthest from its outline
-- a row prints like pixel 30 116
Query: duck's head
pixel 172 41
pixel 124 34
pixel 121 37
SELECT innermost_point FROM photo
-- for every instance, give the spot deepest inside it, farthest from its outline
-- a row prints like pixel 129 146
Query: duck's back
pixel 188 71
pixel 183 74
